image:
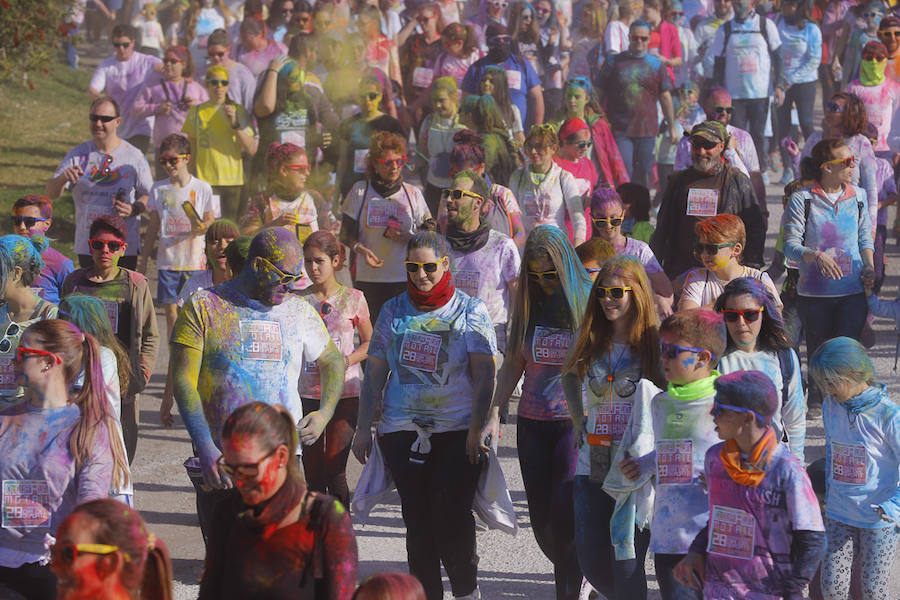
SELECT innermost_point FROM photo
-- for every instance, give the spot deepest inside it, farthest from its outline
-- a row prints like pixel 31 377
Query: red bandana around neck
pixel 435 298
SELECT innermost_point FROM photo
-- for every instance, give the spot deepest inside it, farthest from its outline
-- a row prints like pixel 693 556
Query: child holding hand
pixel 765 536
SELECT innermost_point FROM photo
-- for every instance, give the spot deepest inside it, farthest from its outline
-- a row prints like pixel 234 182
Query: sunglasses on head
pixel 718 407
pixel 121 44
pixel 429 267
pixel 874 58
pixel 844 162
pixel 392 162
pixel 102 118
pixel 612 222
pixel 540 275
pixel 284 278
pixel 113 245
pixel 703 248
pixel 670 351
pixel 581 82
pixel 749 314
pixel 728 110
pixel 215 54
pixel 834 107
pixel 458 194
pixel 172 61
pixel 22 353
pixel 217 82
pixel 27 221
pixel 67 553
pixel 171 161
pixel 614 292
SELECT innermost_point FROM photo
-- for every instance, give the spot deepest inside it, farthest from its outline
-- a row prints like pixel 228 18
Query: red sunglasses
pixel 22 353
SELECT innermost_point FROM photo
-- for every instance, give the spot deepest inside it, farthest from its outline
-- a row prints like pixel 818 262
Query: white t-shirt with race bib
pixel 179 249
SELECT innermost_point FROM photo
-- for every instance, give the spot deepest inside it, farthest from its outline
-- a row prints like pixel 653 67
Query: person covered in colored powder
pixel 244 340
pixel 33 215
pixel 272 537
pixel 765 535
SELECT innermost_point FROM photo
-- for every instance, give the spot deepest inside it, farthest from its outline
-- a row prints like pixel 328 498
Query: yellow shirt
pixel 217 151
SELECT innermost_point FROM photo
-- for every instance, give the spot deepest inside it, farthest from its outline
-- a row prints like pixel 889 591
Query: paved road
pixel 510 567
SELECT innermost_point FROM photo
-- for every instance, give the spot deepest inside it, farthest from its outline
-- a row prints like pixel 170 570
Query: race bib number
pixel 537 207
pixel 748 64
pixel 359 160
pixel 261 340
pixel 202 41
pixel 731 533
pixel 112 311
pixel 379 213
pixel 8 372
pixel 420 350
pixel 467 281
pixel 842 258
pixel 848 463
pixel 674 461
pixel 611 418
pixel 26 503
pixel 702 202
pixel 422 77
pixel 550 345
pixel 514 79
pixel 176 224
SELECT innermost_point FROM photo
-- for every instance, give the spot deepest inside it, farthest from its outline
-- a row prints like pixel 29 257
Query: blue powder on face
pixel 688 362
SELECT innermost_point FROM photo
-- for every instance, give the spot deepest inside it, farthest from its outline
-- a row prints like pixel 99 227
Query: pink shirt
pixel 666 42
pixel 881 103
pixel 258 60
pixel 157 91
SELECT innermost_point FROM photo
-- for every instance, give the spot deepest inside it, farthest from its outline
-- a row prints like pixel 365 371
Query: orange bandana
pixel 752 472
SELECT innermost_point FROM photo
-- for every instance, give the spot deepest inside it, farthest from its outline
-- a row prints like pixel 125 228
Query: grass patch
pixel 39 127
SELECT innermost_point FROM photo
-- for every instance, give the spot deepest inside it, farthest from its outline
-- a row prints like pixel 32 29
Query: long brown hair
pixel 81 352
pixel 595 336
pixel 146 568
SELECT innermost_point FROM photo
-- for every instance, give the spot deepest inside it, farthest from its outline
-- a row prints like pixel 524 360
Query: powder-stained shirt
pixel 882 102
pixel 428 356
pixel 551 201
pixel 48 285
pixel 39 476
pixel 748 64
pixel 702 286
pixel 634 85
pixel 373 213
pixel 348 310
pixel 217 151
pixel 487 272
pixel 250 351
pixel 179 248
pixel 124 171
pixel 158 90
pixel 751 528
pixel 115 295
pixel 545 351
pixel 122 81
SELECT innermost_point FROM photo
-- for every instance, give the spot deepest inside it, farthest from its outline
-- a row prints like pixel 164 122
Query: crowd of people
pixel 371 225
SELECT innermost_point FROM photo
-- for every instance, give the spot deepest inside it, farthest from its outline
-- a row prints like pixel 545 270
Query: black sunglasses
pixel 749 315
pixel 371 95
pixel 728 110
pixel 217 82
pixel 121 44
pixel 701 248
pixel 101 118
pixel 27 221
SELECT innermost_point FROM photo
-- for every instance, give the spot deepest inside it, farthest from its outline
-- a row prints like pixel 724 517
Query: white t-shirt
pixel 179 249
pixel 641 251
pixel 548 202
pixel 748 66
pixel 485 273
pixel 615 38
pixel 94 192
pixel 123 80
pixel 372 214
pixel 702 286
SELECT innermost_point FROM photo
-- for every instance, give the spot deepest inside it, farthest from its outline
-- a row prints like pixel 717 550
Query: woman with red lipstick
pixel 103 550
pixel 270 536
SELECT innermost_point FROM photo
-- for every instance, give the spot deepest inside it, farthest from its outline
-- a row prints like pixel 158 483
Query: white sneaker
pixel 475 595
pixel 586 590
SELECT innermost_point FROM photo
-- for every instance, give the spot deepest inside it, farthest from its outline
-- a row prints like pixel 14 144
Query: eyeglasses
pixel 869 15
pixel 540 275
pixel 702 248
pixel 121 44
pixel 215 54
pixel 874 58
pixel 245 470
pixel 718 407
pixel 536 149
pixel 11 331
pixel 670 351
pixel 68 553
pixel 171 161
pixel 172 61
pixel 217 82
pixel 542 11
pixel 701 142
pixel 749 315
pixel 527 16
pixel 113 245
pixel 283 277
pixel 28 222
pixel 429 267
pixel 728 110
pixel 22 353
pixel 392 162
pixel 611 222
pixel 298 167
pixel 834 107
pixel 102 118
pixel 457 194
pixel 640 38
pixel 844 162
pixel 499 4
pixel 326 309
pixel 889 34
pixel 615 292
pixel 582 145
pixel 370 96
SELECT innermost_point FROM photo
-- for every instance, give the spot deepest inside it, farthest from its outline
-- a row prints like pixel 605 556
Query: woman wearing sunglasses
pixel 828 234
pixel 380 216
pixel 615 359
pixel 103 550
pixel 846 119
pixel 434 348
pixel 20 265
pixel 720 246
pixel 574 155
pixel 271 537
pixel 56 450
pixel 757 341
pixel 551 299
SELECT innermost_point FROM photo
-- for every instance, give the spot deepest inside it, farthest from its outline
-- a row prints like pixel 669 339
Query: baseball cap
pixel 712 131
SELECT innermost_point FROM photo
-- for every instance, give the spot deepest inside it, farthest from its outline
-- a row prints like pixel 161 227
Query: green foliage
pixel 31 31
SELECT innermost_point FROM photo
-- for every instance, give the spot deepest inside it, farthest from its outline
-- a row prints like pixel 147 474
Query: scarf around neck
pixel 468 241
pixel 865 400
pixel 386 189
pixel 265 517
pixel 751 472
pixel 435 298
pixel 695 389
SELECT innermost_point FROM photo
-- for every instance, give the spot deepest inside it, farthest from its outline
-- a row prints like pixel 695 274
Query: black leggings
pixel 325 462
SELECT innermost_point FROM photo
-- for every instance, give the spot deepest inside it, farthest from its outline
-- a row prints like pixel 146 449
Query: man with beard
pixel 889 34
pixel 246 340
pixel 525 88
pixel 740 152
pixel 709 187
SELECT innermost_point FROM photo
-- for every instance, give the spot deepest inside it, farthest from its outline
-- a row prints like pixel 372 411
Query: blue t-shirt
pixel 520 75
pixel 48 285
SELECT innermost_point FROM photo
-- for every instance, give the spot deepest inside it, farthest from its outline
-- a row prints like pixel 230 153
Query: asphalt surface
pixel 510 567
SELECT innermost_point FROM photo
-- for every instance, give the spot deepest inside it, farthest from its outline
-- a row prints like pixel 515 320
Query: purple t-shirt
pixel 750 529
pixel 258 60
pixel 487 272
pixel 639 82
pixel 49 283
pixel 122 80
pixel 157 90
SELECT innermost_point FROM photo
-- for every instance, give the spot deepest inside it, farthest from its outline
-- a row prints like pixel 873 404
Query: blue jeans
pixel 615 579
pixel 547 457
pixel 637 154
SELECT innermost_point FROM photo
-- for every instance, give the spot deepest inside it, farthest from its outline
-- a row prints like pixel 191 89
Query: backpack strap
pixel 786 364
pixel 807 204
